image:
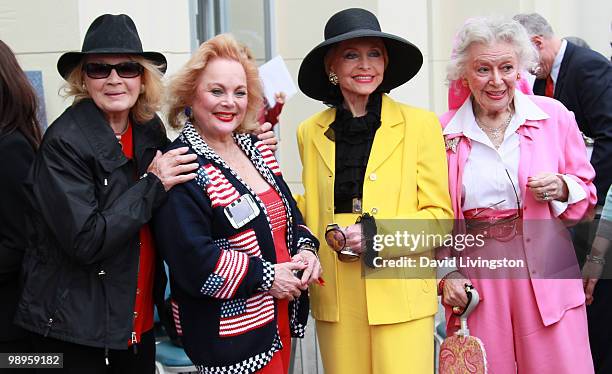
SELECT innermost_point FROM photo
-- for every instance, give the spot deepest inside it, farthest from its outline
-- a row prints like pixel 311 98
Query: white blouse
pixel 490 173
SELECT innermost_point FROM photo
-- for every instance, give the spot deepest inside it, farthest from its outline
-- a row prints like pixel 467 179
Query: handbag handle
pixel 473 300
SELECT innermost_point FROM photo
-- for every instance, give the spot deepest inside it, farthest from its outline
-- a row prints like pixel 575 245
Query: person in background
pixel 266 114
pixel 270 114
pixel 91 270
pixel 20 136
pixel 368 160
pixel 593 271
pixel 515 161
pixel 581 79
pixel 233 238
pixel 578 41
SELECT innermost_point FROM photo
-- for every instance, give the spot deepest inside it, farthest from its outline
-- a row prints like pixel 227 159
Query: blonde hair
pixel 183 84
pixel 148 102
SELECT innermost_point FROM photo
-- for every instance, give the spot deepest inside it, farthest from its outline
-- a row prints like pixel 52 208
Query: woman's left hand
pixel 548 186
pixel 267 136
pixel 591 272
pixel 313 271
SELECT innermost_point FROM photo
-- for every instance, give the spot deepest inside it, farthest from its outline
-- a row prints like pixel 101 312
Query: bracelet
pixel 442 281
pixel 309 248
pixel 596 259
pixel 441 286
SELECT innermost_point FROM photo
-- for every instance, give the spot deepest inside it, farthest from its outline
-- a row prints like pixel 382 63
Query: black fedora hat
pixel 405 59
pixel 109 34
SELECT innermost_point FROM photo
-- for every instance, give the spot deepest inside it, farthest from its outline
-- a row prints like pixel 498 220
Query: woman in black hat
pixel 91 271
pixel 369 160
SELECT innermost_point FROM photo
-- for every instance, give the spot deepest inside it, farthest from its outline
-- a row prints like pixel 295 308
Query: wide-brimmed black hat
pixel 405 59
pixel 109 34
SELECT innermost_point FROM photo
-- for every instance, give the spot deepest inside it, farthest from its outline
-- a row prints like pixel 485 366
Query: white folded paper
pixel 276 78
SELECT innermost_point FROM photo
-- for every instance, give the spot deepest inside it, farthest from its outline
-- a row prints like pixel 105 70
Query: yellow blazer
pixel 406 178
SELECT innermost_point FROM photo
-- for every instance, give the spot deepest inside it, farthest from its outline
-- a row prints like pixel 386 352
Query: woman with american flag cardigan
pixel 233 237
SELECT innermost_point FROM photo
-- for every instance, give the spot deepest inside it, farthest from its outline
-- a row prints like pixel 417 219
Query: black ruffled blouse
pixel 353 137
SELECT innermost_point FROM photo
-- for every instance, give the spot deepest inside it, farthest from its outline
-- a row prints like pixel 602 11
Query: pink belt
pixel 501 225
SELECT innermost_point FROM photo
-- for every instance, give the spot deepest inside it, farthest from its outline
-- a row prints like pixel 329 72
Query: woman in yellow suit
pixel 369 162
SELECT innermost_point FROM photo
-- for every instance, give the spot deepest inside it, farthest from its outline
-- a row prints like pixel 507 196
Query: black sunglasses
pixel 129 69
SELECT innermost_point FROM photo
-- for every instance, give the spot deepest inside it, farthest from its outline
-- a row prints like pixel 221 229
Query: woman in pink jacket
pixel 517 171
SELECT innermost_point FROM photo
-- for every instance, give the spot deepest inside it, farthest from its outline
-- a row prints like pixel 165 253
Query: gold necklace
pixel 495 134
pixel 119 134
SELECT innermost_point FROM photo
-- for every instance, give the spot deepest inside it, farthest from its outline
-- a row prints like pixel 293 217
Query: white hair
pixel 488 31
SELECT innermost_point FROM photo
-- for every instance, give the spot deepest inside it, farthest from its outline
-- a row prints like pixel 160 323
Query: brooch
pixel 451 144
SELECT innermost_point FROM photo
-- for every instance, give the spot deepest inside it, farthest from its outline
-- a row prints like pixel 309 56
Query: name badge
pixel 241 211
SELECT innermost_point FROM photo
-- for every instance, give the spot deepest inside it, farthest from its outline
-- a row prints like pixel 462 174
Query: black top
pixel 354 137
pixel 17 155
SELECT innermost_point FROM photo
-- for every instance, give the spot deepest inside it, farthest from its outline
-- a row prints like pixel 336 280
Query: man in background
pixel 582 80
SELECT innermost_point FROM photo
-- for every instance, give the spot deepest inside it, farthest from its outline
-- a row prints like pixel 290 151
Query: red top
pixel 278 219
pixel 143 308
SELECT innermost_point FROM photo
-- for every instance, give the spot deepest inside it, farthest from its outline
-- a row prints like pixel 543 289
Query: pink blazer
pixel 550 145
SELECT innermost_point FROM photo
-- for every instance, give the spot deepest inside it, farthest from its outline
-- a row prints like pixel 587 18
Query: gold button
pixel 135 314
pixel 138 291
pixel 373 177
pixel 374 210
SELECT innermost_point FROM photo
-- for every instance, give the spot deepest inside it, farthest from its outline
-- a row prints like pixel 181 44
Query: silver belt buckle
pixel 357 205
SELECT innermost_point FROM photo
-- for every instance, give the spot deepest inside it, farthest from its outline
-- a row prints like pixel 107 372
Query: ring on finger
pixel 545 196
pixel 457 310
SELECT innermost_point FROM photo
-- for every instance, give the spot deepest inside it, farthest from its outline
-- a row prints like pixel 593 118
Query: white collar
pixel 554 71
pixel 464 121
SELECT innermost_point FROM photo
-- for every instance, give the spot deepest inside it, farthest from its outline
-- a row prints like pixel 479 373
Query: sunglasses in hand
pixel 336 239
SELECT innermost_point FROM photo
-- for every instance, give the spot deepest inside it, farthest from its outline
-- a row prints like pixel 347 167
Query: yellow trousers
pixel 353 346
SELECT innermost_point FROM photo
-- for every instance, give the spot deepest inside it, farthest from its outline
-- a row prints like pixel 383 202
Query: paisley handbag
pixel 463 353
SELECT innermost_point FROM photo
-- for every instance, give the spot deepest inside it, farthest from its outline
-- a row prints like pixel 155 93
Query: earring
pixel 518 76
pixel 333 78
pixel 142 88
pixel 187 111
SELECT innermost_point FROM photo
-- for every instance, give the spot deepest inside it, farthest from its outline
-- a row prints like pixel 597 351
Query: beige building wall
pixel 39 31
pixel 431 25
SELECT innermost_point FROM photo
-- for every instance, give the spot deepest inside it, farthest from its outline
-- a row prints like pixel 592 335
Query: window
pixel 250 21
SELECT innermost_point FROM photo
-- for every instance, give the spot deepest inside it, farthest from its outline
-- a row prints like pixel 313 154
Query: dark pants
pixel 599 313
pixel 77 358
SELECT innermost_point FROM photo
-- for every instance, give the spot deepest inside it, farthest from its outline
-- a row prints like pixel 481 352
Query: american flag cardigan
pixel 220 275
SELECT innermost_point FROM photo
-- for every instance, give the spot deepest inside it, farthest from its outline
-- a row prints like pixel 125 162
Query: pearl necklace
pixel 495 134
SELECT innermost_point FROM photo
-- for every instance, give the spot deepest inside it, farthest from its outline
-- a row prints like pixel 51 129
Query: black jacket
pixel 584 86
pixel 220 274
pixel 87 208
pixel 17 155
